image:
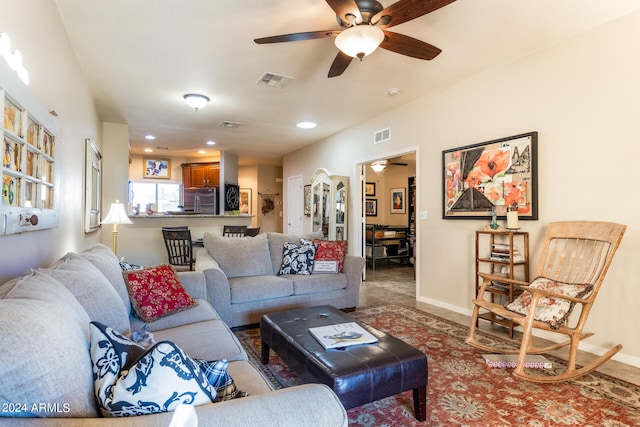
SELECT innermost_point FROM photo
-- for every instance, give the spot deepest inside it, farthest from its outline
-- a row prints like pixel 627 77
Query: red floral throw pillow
pixel 156 292
pixel 331 250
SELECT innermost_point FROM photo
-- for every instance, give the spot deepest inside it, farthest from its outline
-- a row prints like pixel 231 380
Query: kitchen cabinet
pixel 200 175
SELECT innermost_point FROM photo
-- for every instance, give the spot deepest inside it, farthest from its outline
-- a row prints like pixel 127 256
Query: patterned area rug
pixel 463 391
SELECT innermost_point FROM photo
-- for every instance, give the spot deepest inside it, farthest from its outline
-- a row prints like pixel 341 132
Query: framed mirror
pixel 92 186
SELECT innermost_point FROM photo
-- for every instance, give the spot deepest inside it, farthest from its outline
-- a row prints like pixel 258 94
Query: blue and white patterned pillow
pixel 297 259
pixel 129 380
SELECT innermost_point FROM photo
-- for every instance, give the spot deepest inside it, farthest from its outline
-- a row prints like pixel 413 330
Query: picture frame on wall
pixel 307 200
pixel 398 200
pixel 491 176
pixel 156 168
pixel 371 207
pixel 245 201
pixel 370 189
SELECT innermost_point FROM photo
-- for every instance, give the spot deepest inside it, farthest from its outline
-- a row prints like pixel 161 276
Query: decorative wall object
pixel 231 197
pixel 307 200
pixel 492 175
pixel 92 186
pixel 398 200
pixel 370 189
pixel 245 201
pixel 371 207
pixel 156 168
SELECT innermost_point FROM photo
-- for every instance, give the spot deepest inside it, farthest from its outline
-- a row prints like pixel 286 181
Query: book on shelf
pixel 342 335
pixel 532 361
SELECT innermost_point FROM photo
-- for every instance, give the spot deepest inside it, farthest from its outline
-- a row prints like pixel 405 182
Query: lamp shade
pixel 196 101
pixel 117 215
pixel 379 165
pixel 360 40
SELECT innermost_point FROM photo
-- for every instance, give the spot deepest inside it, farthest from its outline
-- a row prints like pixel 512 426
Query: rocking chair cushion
pixel 551 311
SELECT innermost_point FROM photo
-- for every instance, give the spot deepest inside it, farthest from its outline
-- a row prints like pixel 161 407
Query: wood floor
pixel 394 283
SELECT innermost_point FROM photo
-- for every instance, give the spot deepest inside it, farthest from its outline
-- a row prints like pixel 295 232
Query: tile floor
pixel 391 282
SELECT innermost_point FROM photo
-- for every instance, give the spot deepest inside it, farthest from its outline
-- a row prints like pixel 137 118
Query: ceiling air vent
pixel 230 124
pixel 382 135
pixel 274 80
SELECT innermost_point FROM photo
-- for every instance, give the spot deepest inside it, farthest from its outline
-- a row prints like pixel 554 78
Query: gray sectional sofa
pixel 46 370
pixel 243 280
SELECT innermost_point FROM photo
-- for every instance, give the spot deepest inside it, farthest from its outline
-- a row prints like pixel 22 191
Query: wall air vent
pixel 274 80
pixel 162 148
pixel 230 124
pixel 382 135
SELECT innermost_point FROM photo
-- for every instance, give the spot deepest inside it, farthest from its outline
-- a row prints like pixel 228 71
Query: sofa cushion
pixel 94 292
pixel 553 311
pixel 130 381
pixel 276 246
pixel 256 288
pixel 240 256
pixel 103 258
pixel 210 340
pixel 303 285
pixel 156 292
pixel 197 313
pixel 44 337
pixel 331 250
pixel 297 259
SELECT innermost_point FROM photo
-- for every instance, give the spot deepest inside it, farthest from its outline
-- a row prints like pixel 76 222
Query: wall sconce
pixel 196 101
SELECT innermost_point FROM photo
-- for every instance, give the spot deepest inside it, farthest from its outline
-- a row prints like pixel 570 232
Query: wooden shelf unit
pixel 376 238
pixel 509 267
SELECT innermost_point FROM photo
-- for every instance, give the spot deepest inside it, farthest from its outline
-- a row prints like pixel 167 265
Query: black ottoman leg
pixel 420 402
pixel 265 353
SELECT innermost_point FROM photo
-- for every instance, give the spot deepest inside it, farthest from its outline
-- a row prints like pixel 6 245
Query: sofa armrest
pixel 218 291
pixel 353 268
pixel 194 282
pixel 293 406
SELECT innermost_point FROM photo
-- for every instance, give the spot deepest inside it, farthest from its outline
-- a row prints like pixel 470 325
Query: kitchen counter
pixel 142 242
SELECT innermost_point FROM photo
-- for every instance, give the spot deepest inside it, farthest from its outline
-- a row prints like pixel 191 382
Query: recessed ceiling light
pixel 211 143
pixel 202 152
pixel 148 150
pixel 306 125
pixel 149 137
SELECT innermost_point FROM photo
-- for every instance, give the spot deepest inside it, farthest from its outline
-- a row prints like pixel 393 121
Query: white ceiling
pixel 140 57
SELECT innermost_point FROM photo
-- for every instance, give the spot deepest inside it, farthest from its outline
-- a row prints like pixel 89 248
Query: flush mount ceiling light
pixel 379 165
pixel 306 125
pixel 196 101
pixel 150 137
pixel 211 143
pixel 360 40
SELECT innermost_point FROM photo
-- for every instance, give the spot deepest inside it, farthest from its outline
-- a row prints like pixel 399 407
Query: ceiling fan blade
pixel 405 45
pixel 339 64
pixel 342 8
pixel 294 37
pixel 406 10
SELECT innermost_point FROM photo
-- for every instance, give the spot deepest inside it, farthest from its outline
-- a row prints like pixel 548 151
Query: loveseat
pixel 246 276
pixel 48 324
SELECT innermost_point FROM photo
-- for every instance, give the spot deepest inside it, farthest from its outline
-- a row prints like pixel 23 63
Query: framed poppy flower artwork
pixel 491 176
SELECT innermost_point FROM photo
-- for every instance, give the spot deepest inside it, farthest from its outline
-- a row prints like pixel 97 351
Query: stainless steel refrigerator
pixel 202 200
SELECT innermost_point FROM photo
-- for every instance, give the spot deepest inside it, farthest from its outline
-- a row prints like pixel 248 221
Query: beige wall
pixel 582 97
pixel 57 82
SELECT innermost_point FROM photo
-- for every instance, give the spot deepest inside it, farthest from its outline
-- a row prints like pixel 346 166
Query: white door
pixel 295 204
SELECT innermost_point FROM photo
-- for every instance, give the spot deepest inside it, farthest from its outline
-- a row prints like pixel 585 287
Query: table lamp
pixel 116 215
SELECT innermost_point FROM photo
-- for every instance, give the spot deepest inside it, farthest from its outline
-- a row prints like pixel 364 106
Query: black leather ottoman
pixel 358 374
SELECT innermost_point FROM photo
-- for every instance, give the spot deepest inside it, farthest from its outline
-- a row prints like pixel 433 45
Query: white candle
pixel 512 220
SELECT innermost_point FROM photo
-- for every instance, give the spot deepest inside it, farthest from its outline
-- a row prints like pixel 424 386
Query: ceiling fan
pixel 379 165
pixel 364 27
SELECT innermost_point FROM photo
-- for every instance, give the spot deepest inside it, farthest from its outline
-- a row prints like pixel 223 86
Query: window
pixel 166 196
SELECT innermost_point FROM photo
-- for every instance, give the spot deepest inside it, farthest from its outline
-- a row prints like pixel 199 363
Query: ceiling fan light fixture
pixel 196 101
pixel 379 165
pixel 360 40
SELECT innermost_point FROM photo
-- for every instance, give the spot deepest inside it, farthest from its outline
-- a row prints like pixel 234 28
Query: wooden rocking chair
pixel 575 257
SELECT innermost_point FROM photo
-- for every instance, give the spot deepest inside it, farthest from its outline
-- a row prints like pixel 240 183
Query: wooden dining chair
pixel 234 230
pixel 252 231
pixel 573 264
pixel 179 246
